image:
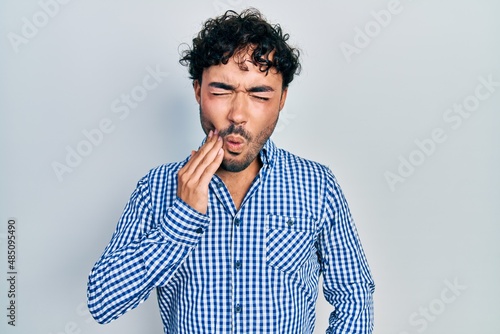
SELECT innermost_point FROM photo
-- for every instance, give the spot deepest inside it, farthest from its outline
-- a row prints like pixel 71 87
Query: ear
pixel 197 90
pixel 283 98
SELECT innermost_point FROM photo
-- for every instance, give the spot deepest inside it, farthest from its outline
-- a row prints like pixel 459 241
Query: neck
pixel 238 183
pixel 236 177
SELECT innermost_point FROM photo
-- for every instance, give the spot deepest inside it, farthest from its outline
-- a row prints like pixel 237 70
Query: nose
pixel 238 109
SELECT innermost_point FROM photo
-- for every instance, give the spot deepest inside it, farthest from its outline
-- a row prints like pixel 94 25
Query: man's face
pixel 243 104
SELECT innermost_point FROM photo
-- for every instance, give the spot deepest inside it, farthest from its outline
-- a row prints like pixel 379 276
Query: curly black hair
pixel 230 33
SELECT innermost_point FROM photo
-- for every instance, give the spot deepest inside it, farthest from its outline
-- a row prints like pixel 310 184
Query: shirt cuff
pixel 183 224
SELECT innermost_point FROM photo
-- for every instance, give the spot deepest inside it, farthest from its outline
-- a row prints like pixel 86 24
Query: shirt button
pixel 220 185
pixel 237 308
pixel 236 221
pixel 290 222
pixel 199 230
pixel 237 264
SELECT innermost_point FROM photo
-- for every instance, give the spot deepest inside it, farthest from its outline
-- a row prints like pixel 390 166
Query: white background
pixel 358 114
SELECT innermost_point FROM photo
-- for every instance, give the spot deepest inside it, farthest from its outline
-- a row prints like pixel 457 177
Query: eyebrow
pixel 221 85
pixel 255 89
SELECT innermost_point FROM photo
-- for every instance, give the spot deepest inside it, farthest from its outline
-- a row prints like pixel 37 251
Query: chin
pixel 233 165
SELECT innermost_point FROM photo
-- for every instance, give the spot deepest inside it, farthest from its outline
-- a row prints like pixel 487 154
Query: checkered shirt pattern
pixel 252 270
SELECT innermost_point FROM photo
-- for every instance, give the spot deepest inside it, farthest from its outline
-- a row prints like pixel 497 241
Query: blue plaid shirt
pixel 252 270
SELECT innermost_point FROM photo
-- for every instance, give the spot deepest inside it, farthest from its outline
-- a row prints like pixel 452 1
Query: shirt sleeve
pixel 347 281
pixel 143 254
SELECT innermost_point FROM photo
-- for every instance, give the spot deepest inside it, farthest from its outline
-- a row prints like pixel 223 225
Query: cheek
pixel 208 114
pixel 209 118
pixel 213 106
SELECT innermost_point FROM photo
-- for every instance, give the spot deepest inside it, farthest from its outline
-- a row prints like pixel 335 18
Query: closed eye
pixel 261 98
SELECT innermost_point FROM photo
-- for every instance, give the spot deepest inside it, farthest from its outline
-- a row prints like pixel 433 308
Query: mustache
pixel 236 130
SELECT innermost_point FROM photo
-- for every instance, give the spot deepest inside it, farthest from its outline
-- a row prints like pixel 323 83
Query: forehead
pixel 240 69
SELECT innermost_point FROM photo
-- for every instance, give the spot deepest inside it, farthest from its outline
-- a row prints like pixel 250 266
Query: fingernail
pixel 210 134
pixel 219 139
pixel 216 132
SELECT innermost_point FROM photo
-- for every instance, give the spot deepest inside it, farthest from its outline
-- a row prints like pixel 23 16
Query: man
pixel 234 238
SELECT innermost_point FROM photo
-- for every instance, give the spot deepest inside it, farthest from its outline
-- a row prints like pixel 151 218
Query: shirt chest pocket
pixel 289 242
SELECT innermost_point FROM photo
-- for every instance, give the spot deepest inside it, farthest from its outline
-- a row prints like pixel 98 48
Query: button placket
pixel 237 266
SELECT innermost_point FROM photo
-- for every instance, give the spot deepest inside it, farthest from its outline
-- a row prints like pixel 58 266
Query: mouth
pixel 234 144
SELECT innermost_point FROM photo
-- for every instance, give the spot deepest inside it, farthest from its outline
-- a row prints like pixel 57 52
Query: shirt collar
pixel 268 153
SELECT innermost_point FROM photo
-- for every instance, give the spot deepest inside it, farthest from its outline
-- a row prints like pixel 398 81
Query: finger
pixel 208 159
pixel 211 168
pixel 197 158
pixel 203 149
pixel 186 168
